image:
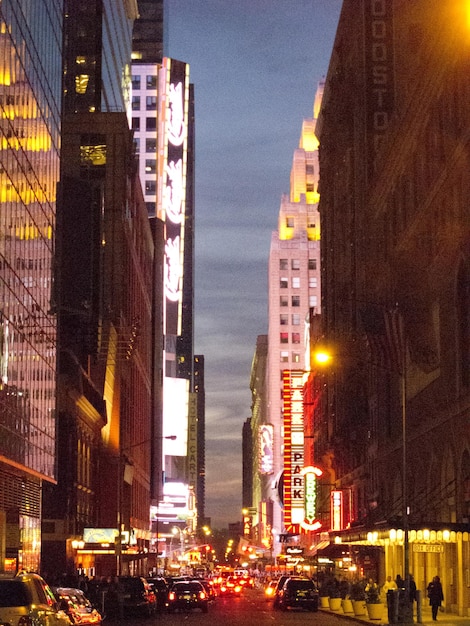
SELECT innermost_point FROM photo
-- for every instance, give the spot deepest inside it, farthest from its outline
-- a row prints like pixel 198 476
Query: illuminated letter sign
pixel 293 448
pixel 336 510
pixel 171 193
pixel 310 475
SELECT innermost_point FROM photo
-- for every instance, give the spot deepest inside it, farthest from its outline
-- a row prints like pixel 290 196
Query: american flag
pixel 386 336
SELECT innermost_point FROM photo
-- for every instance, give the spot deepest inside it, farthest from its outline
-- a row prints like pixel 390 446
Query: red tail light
pixel 202 595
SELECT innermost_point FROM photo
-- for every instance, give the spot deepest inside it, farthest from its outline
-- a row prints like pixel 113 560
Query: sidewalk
pixel 444 619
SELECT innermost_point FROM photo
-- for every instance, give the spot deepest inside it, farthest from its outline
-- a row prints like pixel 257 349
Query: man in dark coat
pixel 435 595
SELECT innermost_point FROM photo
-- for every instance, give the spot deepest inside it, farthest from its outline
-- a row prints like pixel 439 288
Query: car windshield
pixel 13 593
pixel 193 587
pixel 300 584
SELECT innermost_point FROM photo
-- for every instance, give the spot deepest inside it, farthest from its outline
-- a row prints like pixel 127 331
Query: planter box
pixel 359 607
pixel 335 604
pixel 324 602
pixel 347 606
pixel 375 611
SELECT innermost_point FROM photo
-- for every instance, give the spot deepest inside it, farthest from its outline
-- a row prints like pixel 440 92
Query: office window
pixel 151 145
pixel 290 222
pixel 295 337
pixel 135 82
pixel 309 169
pixel 284 283
pixel 312 301
pixel 284 301
pixel 296 282
pixel 283 264
pixel 135 103
pixel 150 187
pixel 151 123
pixel 295 319
pixel 150 166
pixel 295 264
pixel 284 338
pixel 295 300
pixel 312 264
pixel 136 142
pixel 151 208
pixel 284 357
pixel 295 357
pixel 312 282
pixel 151 103
pixel 136 123
pixel 151 82
pixel 284 319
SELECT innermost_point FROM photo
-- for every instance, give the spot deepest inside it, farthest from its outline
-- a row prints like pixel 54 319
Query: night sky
pixel 255 66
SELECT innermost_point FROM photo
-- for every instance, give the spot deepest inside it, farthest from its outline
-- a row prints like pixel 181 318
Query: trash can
pixel 392 605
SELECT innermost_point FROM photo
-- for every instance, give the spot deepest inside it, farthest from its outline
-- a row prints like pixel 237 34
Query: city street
pixel 251 608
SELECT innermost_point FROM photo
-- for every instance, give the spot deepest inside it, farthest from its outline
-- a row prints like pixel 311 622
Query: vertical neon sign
pixel 171 197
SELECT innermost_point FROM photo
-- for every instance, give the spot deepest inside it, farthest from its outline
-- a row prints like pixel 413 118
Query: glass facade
pixel 30 96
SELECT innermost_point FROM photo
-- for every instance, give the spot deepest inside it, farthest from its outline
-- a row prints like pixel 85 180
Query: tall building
pixel 149 32
pixel 30 101
pixel 103 300
pixel 396 273
pixel 293 289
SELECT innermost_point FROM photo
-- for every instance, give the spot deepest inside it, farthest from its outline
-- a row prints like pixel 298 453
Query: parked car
pixel 27 600
pixel 77 606
pixel 298 593
pixel 187 595
pixel 130 595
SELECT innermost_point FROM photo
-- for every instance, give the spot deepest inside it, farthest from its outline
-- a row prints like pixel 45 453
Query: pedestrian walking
pixel 435 595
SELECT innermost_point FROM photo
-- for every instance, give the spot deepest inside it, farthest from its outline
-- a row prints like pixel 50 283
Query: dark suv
pixel 298 593
pixel 130 595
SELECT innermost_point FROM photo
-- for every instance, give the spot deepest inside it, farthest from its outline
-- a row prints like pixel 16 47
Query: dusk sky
pixel 255 66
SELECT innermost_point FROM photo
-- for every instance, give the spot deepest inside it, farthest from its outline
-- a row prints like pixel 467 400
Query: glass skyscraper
pixel 30 97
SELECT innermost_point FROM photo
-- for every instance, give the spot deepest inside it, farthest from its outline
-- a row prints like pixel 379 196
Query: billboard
pixel 172 138
pixel 175 416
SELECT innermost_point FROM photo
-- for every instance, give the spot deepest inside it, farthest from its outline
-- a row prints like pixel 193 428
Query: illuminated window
pixel 284 319
pixel 312 301
pixel 81 83
pixel 283 264
pixel 295 300
pixel 150 166
pixel 312 282
pixel 151 82
pixel 295 319
pixel 295 337
pixel 284 301
pixel 284 283
pixel 296 282
pixel 284 338
pixel 295 264
pixel 295 357
pixel 150 187
pixel 312 264
pixel 284 357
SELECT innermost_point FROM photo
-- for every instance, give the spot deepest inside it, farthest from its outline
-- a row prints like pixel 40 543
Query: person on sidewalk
pixel 388 584
pixel 435 595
